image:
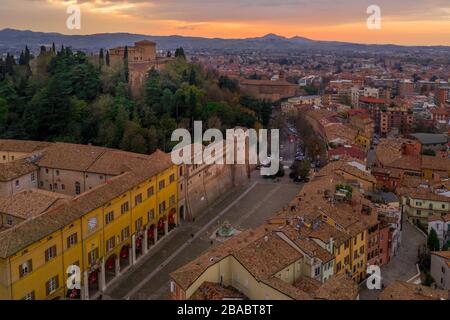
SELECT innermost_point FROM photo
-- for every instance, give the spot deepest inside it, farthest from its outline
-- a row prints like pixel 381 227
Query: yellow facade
pixel 363 141
pixel 143 210
pixel 351 255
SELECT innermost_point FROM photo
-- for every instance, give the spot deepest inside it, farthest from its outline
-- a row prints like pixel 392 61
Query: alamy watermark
pixel 374 20
pixel 374 280
pixel 73 22
pixel 74 277
pixel 242 146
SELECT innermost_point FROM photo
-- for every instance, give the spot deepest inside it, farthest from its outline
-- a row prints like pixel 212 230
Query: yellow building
pixel 363 141
pixel 345 237
pixel 103 231
pixel 335 218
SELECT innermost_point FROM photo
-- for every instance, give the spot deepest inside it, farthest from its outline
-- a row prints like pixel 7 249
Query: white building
pixel 440 224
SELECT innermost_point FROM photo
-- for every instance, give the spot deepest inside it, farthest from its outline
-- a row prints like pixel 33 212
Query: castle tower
pixel 148 49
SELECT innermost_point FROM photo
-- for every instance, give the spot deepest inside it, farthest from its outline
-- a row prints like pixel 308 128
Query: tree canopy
pixel 69 96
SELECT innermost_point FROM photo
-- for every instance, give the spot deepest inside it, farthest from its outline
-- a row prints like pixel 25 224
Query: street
pixel 244 207
pixel 403 265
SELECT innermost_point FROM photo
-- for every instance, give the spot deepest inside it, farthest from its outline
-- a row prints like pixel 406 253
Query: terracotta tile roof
pixel 399 290
pixel 69 156
pixel 411 182
pixel 324 232
pixel 95 159
pixel 307 245
pixel 267 256
pixel 442 254
pixel 307 284
pixel 434 217
pixel 347 152
pixel 347 167
pixel 316 199
pixel 320 114
pixel 372 100
pixel 436 163
pixel 115 162
pixel 423 194
pixel 411 163
pixel 262 251
pixel 340 131
pixel 30 203
pixel 16 169
pixel 190 272
pixel 265 82
pixel 17 238
pixel 22 146
pixel 214 291
pixel 389 150
pixel 339 287
pixel 287 289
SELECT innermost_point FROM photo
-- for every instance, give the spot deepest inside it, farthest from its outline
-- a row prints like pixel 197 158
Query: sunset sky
pixel 423 22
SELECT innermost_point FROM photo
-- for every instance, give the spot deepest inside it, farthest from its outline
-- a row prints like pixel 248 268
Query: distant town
pixel 358 210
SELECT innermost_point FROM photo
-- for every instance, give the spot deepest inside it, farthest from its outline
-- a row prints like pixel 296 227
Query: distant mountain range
pixel 12 40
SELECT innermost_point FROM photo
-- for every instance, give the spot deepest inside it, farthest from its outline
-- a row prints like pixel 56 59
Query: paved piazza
pixel 244 207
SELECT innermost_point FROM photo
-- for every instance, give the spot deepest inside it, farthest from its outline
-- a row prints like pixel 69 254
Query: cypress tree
pixel 179 52
pixel 107 58
pixel 192 77
pixel 53 48
pixel 433 241
pixel 101 58
pixel 27 55
pixel 9 65
pixel 2 69
pixel 22 59
pixel 125 62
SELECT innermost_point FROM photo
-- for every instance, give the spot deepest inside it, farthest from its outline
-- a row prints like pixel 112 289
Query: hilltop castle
pixel 141 58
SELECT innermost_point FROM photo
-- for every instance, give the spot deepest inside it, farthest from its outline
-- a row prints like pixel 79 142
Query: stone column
pixel 85 289
pixel 130 255
pixel 102 276
pixel 145 245
pixel 117 271
pixel 133 249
